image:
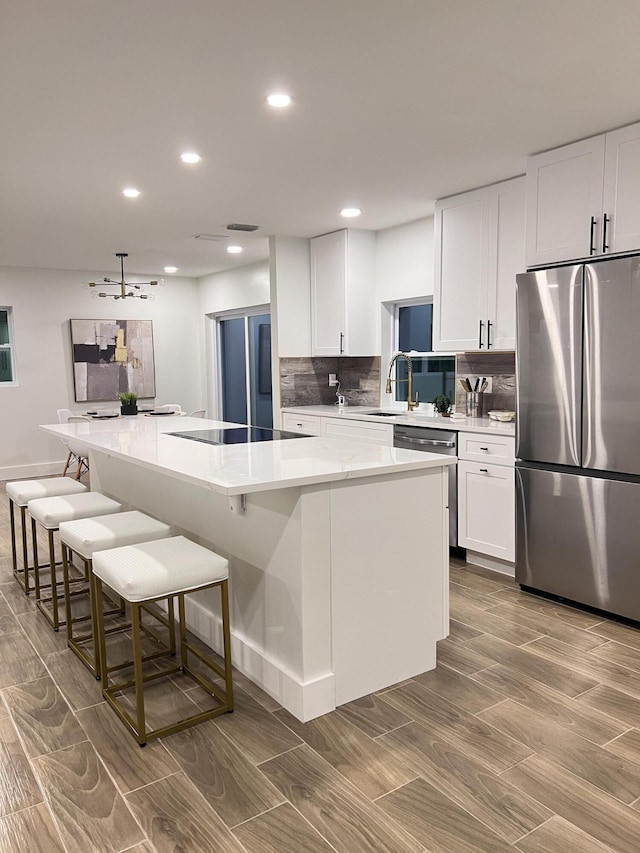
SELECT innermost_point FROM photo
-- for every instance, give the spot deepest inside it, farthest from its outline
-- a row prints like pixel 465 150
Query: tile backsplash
pixel 500 367
pixel 304 381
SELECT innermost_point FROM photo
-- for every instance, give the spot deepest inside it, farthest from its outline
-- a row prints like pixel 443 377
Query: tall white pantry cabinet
pixel 479 249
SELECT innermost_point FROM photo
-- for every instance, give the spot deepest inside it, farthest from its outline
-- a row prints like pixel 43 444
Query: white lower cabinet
pixel 486 496
pixel 305 424
pixel 359 430
pixel 338 428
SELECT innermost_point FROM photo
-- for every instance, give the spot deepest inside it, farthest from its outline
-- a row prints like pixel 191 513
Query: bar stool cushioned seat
pixel 20 492
pixel 83 537
pixel 149 572
pixel 50 513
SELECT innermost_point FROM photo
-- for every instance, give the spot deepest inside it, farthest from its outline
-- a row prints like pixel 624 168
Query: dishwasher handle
pixel 432 442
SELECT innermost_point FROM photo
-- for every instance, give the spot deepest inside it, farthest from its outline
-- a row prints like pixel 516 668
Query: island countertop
pixel 240 468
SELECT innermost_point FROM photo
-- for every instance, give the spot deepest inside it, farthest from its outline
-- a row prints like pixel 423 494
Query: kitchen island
pixel 338 550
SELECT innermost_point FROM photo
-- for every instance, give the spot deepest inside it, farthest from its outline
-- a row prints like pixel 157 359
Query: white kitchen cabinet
pixel 479 248
pixel 358 430
pixel 343 317
pixel 621 194
pixel 486 495
pixel 306 424
pixel 583 200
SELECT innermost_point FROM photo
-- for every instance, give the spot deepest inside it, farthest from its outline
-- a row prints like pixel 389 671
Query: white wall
pixel 242 287
pixel 43 302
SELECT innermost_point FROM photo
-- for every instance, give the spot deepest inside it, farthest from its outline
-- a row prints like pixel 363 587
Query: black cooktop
pixel 237 435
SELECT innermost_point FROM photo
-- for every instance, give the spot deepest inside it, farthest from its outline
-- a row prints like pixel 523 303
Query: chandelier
pixel 126 290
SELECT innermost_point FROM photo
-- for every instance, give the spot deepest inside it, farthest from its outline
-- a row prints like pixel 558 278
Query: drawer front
pixel 493 449
pixel 307 424
pixel 359 430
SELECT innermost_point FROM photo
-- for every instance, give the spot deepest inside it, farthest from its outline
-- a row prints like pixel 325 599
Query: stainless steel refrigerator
pixel 578 433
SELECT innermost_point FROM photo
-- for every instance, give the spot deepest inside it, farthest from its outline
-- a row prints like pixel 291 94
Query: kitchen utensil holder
pixel 474 404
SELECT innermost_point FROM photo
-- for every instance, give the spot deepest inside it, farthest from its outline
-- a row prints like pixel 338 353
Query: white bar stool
pixel 83 537
pixel 20 492
pixel 151 572
pixel 49 513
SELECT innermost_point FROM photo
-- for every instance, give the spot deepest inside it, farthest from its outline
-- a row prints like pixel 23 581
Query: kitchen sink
pixel 383 414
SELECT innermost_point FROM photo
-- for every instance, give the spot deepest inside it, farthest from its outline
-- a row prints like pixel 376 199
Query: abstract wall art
pixel 112 356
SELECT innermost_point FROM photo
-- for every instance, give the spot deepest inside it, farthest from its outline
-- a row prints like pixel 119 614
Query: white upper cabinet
pixel 583 200
pixel 621 196
pixel 479 248
pixel 343 294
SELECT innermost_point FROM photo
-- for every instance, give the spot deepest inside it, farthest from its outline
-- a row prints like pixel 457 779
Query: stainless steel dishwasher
pixel 435 441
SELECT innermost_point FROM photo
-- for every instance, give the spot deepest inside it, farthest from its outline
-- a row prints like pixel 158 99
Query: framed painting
pixel 112 356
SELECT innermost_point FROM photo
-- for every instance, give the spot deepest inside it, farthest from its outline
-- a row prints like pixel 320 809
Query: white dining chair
pixel 169 407
pixel 199 413
pixel 78 452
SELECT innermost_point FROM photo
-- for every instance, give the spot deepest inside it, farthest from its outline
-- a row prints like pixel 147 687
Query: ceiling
pixel 397 103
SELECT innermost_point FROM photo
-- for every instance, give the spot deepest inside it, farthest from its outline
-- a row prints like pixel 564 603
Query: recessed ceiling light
pixel 130 192
pixel 279 100
pixel 234 250
pixel 170 270
pixel 190 157
pixel 350 212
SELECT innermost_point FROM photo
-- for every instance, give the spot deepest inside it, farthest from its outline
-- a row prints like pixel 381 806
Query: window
pixel 433 373
pixel 7 373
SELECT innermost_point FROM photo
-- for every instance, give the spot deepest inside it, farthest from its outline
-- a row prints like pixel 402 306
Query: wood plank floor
pixel 525 738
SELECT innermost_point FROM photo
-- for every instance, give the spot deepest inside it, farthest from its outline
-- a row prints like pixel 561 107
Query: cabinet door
pixel 461 261
pixel 506 260
pixel 564 192
pixel 621 204
pixel 486 509
pixel 328 282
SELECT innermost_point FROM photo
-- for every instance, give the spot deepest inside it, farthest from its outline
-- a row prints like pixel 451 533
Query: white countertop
pixel 241 468
pixel 416 418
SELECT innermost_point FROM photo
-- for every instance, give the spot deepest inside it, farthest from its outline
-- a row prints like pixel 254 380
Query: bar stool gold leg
pixel 36 564
pixel 99 629
pixel 226 637
pixel 23 522
pixel 14 555
pixel 137 666
pixel 183 632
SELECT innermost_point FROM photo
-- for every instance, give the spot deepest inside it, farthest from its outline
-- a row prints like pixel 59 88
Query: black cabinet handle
pixel 341 343
pixel 480 335
pixel 484 448
pixel 484 470
pixel 605 221
pixel 489 324
pixel 592 234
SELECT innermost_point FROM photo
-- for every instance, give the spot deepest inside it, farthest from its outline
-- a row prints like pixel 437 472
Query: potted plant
pixel 442 404
pixel 128 403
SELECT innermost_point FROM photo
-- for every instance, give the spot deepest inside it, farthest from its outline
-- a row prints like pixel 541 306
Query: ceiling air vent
pixel 239 226
pixel 214 238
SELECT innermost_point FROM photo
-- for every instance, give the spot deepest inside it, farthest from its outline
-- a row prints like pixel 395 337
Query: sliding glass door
pixel 245 369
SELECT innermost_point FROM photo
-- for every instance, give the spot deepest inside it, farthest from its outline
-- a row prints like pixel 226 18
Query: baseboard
pixel 305 700
pixel 32 471
pixel 492 563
